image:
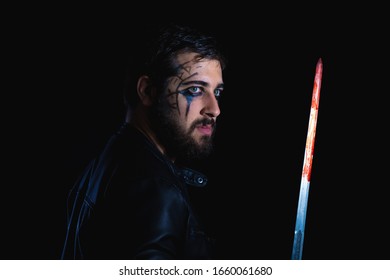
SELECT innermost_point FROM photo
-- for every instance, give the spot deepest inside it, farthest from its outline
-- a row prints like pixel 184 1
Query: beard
pixel 177 140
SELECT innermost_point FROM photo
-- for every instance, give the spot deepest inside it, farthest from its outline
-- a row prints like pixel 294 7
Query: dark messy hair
pixel 155 55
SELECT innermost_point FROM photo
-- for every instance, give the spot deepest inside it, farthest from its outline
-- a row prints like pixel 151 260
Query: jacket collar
pixel 190 176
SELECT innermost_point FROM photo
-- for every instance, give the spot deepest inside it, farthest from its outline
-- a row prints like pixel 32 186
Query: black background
pixel 64 101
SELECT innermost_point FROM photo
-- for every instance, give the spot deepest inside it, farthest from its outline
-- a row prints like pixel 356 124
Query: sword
pixel 307 164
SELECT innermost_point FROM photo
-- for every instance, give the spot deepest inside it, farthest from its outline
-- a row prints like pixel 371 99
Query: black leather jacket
pixel 132 203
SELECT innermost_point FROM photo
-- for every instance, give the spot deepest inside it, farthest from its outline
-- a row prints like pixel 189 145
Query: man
pixel 132 200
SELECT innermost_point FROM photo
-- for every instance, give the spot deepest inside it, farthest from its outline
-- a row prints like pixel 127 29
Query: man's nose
pixel 211 107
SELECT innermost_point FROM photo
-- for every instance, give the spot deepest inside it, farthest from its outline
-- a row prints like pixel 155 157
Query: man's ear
pixel 144 90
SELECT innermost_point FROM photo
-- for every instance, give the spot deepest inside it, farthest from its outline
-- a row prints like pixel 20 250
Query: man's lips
pixel 205 129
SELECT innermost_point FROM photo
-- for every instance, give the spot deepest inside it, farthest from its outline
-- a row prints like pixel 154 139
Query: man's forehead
pixel 187 57
pixel 192 67
pixel 190 63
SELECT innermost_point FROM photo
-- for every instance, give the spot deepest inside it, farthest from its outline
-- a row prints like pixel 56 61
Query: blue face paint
pixel 187 93
pixel 189 97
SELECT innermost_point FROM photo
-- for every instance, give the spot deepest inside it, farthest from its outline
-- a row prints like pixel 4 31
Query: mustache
pixel 204 121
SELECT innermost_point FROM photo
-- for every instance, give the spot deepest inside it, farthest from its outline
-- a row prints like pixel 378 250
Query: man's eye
pixel 217 92
pixel 195 90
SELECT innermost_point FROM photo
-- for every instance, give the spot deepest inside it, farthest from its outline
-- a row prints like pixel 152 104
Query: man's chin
pixel 203 149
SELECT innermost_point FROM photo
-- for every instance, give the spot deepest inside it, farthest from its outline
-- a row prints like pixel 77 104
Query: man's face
pixel 186 115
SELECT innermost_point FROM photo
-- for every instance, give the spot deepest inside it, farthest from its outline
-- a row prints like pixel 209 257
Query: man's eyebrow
pixel 221 86
pixel 202 83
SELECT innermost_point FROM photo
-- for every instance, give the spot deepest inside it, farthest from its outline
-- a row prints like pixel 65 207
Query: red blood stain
pixel 309 148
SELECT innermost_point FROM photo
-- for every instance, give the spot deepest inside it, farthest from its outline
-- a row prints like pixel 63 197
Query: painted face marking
pixel 186 92
pixel 189 97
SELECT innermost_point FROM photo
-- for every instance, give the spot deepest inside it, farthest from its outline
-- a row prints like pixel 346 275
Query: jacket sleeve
pixel 161 216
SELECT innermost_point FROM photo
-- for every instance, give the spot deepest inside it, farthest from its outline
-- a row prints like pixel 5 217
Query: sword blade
pixel 307 166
